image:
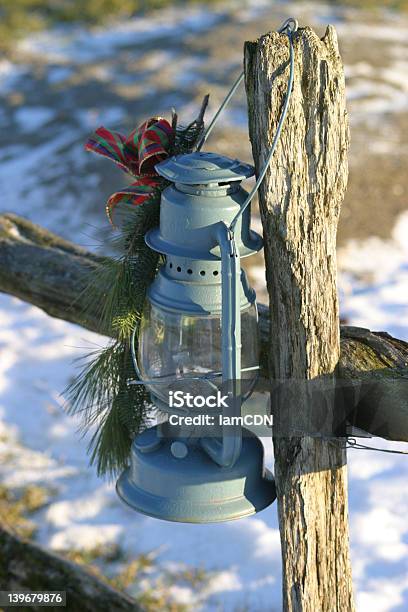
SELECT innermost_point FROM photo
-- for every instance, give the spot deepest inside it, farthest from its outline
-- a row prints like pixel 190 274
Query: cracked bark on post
pixel 300 202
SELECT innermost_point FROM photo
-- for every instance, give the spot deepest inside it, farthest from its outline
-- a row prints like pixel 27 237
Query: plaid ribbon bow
pixel 137 154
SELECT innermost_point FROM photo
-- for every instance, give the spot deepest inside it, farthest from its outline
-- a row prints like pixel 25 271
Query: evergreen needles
pixel 111 410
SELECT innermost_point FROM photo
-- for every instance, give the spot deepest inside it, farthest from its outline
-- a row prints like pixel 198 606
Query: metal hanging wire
pixel 347 442
pixel 288 27
pixel 352 443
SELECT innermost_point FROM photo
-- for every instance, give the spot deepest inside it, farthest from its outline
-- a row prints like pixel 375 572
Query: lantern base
pixel 194 489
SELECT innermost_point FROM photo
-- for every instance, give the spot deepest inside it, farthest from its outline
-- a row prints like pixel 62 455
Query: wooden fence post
pixel 300 202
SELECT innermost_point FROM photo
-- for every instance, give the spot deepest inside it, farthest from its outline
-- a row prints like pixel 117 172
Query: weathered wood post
pixel 300 203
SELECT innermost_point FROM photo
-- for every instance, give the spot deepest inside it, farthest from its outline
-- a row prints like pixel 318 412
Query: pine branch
pixel 109 407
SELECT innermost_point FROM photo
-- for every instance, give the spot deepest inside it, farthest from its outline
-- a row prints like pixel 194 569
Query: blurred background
pixel 67 67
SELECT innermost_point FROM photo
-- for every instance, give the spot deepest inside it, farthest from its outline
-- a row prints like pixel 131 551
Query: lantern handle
pixel 288 27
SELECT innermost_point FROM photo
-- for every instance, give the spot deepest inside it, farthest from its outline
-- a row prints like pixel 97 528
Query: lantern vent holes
pixel 190 271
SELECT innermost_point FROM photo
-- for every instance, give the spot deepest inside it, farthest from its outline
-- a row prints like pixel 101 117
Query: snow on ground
pixel 39 443
pixel 79 45
pixel 374 281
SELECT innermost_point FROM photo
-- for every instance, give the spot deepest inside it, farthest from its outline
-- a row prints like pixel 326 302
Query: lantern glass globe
pixel 175 348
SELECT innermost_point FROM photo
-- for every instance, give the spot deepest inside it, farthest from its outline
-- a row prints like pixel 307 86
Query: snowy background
pixel 56 88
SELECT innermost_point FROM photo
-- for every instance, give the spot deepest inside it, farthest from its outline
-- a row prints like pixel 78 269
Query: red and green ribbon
pixel 137 154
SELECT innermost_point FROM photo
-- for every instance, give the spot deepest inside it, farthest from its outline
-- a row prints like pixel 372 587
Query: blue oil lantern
pixel 198 335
